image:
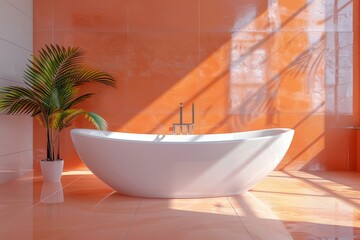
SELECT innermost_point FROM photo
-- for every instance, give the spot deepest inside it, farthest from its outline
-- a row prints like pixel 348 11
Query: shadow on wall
pixel 315 104
pixel 320 109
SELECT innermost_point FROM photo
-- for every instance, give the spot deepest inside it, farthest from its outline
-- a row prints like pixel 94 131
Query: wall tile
pixel 233 15
pixel 163 15
pixel 43 16
pixel 41 39
pixel 16 27
pixel 164 63
pixel 15 165
pixel 106 50
pixel 90 16
pixel 16 134
pixel 305 15
pixel 26 6
pixel 13 61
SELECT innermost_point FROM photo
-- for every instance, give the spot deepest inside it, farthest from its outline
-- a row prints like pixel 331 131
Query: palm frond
pixel 96 120
pixel 52 69
pixel 78 100
pixel 87 75
pixel 18 100
pixel 63 96
pixel 64 119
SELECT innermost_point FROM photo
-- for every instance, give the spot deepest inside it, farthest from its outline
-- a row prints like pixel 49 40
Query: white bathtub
pixel 182 166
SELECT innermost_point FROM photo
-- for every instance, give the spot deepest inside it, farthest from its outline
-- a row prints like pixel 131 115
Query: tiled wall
pixel 246 64
pixel 16 44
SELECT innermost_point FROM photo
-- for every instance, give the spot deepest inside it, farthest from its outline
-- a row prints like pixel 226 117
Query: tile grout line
pixel 13 153
pixel 15 44
pixel 132 220
pixel 56 191
pixel 127 45
pixel 198 68
pixel 239 218
pixel 52 21
pixel 12 81
pixel 103 199
pixel 23 12
pixel 199 31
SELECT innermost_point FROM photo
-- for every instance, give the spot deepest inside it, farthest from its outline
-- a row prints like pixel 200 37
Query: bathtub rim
pixel 85 132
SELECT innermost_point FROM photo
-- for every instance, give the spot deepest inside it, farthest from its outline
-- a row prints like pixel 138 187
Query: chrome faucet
pixel 189 126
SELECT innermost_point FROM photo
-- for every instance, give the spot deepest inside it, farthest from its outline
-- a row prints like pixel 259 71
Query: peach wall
pixel 246 64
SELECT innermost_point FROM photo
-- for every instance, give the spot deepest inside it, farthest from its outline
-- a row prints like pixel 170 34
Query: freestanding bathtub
pixel 182 166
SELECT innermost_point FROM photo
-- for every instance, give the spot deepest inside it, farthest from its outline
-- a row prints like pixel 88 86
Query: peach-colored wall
pixel 246 64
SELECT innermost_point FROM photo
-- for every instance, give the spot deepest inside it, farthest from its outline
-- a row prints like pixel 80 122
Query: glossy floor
pixel 286 205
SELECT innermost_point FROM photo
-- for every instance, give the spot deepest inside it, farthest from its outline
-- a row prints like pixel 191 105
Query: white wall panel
pixel 13 61
pixel 16 44
pixel 16 27
pixel 15 134
pixel 26 6
pixel 15 165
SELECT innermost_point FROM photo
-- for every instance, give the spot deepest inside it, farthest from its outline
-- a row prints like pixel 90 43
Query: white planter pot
pixel 52 170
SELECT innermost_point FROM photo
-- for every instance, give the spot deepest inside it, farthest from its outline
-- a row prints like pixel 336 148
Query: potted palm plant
pixel 50 94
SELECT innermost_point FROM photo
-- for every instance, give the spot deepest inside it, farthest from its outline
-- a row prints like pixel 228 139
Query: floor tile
pixel 286 205
pixel 212 218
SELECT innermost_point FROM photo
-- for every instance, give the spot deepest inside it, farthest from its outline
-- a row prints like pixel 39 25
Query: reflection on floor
pixel 286 205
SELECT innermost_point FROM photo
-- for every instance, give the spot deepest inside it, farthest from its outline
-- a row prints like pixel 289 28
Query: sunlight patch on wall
pixel 339 57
